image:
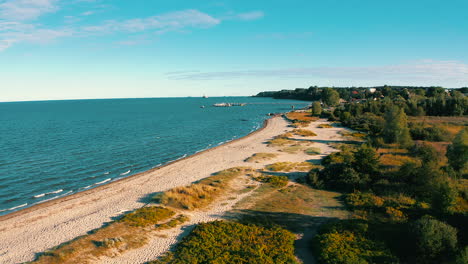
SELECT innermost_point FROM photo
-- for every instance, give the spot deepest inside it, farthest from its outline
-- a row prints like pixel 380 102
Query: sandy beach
pixel 36 229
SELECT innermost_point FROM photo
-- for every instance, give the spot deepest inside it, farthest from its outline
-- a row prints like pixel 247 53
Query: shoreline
pixel 81 194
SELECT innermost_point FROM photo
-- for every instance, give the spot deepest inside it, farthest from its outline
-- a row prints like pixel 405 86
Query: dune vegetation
pixel 232 242
pixel 202 193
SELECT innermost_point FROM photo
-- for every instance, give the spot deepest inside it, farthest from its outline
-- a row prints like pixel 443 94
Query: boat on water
pixel 222 105
pixel 204 96
pixel 228 104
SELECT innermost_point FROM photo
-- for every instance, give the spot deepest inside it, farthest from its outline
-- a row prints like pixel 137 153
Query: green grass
pixel 312 151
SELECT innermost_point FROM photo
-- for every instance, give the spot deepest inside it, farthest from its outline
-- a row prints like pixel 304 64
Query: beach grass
pixel 325 126
pixel 290 166
pixel 293 148
pixel 273 180
pixel 312 151
pixel 258 157
pixel 147 216
pixel 129 232
pixel 202 193
pixel 304 133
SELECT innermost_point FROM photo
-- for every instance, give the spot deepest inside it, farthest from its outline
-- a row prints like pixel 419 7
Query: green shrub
pixel 433 239
pixel 363 200
pixel 275 181
pixel 230 242
pixel 347 247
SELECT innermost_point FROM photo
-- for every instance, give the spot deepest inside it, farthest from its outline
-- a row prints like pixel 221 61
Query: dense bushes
pixel 230 242
pixel 434 240
pixel 419 131
pixel 345 242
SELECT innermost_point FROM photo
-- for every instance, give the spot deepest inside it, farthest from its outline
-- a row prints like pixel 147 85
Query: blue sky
pixel 57 49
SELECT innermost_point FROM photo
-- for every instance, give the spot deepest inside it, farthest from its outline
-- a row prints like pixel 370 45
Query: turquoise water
pixel 55 148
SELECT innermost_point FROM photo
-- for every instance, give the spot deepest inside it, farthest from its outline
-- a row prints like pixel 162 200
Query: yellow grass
pixel 395 160
pixel 200 194
pixel 392 151
pixel 304 133
pixel 301 117
pixel 325 126
pixel 258 157
pixel 128 233
pixel 290 166
pixel 280 142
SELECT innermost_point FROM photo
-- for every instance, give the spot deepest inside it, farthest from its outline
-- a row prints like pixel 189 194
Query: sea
pixel 50 149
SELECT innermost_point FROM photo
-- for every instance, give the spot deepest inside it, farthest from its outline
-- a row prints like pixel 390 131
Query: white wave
pixel 104 181
pixel 55 197
pixel 13 208
pixel 125 173
pixel 87 187
pixel 48 193
pixel 58 191
pixel 106 173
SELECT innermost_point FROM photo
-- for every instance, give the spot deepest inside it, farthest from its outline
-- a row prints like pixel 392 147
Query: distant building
pixel 372 90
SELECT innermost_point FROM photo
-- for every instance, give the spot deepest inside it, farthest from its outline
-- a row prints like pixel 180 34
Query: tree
pixel 330 97
pixel 366 161
pixel 457 153
pixel 316 108
pixel 396 128
pixel 433 239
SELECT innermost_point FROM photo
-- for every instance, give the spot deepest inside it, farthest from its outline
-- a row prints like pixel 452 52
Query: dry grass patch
pixel 278 142
pixel 130 232
pixel 202 193
pixel 296 207
pixel 393 160
pixel 325 126
pixel 180 219
pixel 301 117
pixel 353 135
pixel 258 157
pixel 304 133
pixel 290 166
pixel 392 151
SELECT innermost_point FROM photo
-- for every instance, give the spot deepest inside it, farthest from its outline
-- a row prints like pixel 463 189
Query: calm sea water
pixel 56 148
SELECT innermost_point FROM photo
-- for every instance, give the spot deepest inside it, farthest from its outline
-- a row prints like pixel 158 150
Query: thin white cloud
pixel 421 71
pixel 254 15
pixel 15 29
pixel 21 10
pixel 165 22
pixel 6 43
pixel 247 16
pixel 87 13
